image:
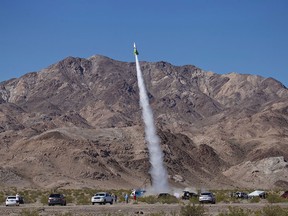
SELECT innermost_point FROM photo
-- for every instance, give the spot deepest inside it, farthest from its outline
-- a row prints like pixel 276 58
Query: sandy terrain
pixel 123 209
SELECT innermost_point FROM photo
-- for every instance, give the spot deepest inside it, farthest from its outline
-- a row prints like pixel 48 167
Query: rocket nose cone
pixel 134 45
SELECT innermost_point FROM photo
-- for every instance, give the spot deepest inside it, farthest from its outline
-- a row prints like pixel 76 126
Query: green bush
pixel 193 210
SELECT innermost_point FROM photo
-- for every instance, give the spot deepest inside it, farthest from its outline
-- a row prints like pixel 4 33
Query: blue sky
pixel 223 36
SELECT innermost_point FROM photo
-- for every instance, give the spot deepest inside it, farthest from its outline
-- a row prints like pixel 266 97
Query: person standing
pixel 17 198
pixel 135 197
pixel 126 197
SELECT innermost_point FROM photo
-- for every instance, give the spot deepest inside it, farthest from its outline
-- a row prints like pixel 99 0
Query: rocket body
pixel 135 50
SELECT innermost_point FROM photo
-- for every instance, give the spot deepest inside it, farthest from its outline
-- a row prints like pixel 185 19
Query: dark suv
pixel 187 195
pixel 56 199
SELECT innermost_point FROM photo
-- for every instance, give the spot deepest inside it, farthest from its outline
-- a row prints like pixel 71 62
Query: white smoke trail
pixel 158 171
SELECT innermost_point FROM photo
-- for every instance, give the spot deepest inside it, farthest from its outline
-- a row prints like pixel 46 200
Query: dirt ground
pixel 121 209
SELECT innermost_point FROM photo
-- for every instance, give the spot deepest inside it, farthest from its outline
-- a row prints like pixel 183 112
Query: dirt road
pixel 120 209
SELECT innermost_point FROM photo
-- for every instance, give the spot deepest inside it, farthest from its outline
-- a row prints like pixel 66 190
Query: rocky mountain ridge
pixel 78 124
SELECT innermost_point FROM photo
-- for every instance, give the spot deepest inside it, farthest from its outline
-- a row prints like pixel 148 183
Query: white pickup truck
pixel 102 198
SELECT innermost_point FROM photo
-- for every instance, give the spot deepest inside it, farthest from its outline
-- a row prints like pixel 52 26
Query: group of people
pixel 126 197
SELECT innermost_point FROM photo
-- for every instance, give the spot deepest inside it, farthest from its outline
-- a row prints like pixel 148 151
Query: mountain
pixel 78 124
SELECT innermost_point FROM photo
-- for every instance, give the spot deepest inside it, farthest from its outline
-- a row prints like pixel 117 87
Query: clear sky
pixel 223 36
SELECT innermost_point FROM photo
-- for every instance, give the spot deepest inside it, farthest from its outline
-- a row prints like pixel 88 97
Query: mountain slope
pixel 78 123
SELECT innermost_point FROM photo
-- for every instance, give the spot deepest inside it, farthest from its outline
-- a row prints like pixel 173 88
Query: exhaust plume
pixel 158 171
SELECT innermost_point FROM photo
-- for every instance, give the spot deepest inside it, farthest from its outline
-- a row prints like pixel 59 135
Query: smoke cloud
pixel 158 171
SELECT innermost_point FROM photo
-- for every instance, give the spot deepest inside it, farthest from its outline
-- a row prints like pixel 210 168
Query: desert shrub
pixel 2 197
pixel 236 211
pixel 70 199
pixel 274 211
pixel 64 214
pixel 82 199
pixel 235 200
pixel 34 195
pixel 115 214
pixel 148 199
pixel 157 214
pixel 168 200
pixel 29 212
pixel 30 196
pixel 254 200
pixel 274 198
pixel 192 210
pixel 89 192
pixel 221 196
pixel 194 199
pixel 44 199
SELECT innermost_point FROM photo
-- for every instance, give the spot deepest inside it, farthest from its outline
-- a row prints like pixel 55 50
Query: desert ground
pixel 124 209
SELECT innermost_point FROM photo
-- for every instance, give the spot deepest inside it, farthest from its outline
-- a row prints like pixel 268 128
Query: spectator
pixel 134 197
pixel 126 197
pixel 17 198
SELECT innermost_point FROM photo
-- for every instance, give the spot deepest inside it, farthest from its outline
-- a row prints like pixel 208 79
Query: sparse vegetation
pixel 192 210
pixel 83 196
pixel 223 196
pixel 168 199
pixel 194 200
pixel 254 200
pixel 158 214
pixel 275 198
pixel 29 212
pixel 236 211
pixel 274 211
pixel 148 199
pixel 65 214
pixel 2 197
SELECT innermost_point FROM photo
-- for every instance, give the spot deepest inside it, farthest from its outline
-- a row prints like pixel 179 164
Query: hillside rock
pixel 78 124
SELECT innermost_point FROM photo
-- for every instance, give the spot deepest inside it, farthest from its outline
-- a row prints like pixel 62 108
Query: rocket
pixel 135 50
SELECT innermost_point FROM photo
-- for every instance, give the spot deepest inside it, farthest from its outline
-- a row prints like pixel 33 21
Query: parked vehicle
pixel 138 192
pixel 164 195
pixel 11 200
pixel 21 200
pixel 187 195
pixel 241 195
pixel 102 198
pixel 285 195
pixel 207 197
pixel 56 199
pixel 258 193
